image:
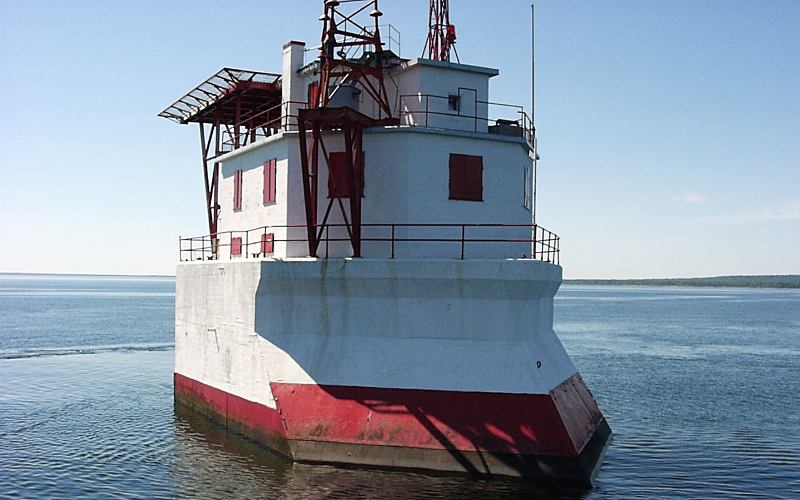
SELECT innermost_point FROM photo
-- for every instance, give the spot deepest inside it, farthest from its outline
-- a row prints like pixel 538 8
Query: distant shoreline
pixel 79 275
pixel 744 281
pixel 752 281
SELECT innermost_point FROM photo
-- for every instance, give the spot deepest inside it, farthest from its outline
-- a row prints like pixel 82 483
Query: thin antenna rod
pixel 533 105
pixel 533 66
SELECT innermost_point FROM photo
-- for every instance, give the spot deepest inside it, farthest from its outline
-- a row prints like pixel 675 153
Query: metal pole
pixel 533 65
pixel 462 241
pixel 533 105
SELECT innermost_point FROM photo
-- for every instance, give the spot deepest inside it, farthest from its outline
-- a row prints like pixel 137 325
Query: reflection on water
pixel 702 394
pixel 241 468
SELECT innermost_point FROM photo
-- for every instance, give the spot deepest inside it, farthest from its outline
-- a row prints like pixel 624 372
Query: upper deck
pixel 438 171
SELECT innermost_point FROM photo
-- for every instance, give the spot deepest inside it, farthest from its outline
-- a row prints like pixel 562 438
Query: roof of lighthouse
pixel 219 96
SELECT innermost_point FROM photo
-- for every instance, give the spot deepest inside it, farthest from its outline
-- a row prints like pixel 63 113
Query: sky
pixel 669 132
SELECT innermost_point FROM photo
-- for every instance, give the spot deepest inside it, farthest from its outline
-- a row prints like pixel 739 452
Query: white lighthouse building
pixel 373 289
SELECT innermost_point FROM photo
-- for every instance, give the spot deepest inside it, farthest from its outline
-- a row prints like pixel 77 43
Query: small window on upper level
pixel 269 181
pixel 466 177
pixel 236 246
pixel 237 191
pixel 454 102
pixel 338 176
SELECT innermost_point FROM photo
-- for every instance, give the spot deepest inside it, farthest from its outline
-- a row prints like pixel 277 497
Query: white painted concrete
pixel 419 78
pixel 406 182
pixel 215 339
pixel 476 325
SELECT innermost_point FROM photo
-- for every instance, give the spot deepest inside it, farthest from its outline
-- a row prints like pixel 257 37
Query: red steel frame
pixel 341 63
pixel 233 102
pixel 441 34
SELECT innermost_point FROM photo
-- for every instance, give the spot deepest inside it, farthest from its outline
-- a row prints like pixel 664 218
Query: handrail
pixel 282 116
pixel 544 244
pixel 260 125
pixel 420 115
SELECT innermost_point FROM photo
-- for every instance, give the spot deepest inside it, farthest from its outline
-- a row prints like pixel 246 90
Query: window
pixel 466 177
pixel 453 102
pixel 338 174
pixel 269 181
pixel 237 191
pixel 236 245
pixel 267 243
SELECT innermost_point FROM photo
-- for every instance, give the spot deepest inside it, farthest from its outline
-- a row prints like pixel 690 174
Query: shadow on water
pixel 214 461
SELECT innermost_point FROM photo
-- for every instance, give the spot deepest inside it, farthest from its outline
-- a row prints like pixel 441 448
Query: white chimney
pixel 293 91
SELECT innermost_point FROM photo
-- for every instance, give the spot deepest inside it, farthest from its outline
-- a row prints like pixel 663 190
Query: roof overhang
pixel 407 65
pixel 226 96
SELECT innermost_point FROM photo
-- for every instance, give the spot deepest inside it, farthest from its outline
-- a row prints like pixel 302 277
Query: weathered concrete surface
pixel 381 356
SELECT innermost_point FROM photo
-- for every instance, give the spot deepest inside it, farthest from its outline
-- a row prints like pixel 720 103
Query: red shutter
pixel 237 190
pixel 338 178
pixel 236 246
pixel 313 94
pixel 272 176
pixel 269 181
pixel 267 243
pixel 337 162
pixel 456 176
pixel 473 178
pixel 466 177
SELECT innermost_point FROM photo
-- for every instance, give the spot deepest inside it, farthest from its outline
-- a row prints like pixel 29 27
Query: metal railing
pixel 261 125
pixel 543 244
pixel 438 111
pixel 416 110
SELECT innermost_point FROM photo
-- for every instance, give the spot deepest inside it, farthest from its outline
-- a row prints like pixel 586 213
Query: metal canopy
pixel 227 97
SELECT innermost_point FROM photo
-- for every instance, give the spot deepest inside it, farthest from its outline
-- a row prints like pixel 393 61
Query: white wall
pixel 215 339
pixel 254 213
pixel 406 182
pixel 420 77
pixel 418 324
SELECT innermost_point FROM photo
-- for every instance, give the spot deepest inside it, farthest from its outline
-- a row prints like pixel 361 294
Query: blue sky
pixel 669 131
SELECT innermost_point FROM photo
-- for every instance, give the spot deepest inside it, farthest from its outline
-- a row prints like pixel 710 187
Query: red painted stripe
pixel 467 421
pixel 559 423
pixel 237 412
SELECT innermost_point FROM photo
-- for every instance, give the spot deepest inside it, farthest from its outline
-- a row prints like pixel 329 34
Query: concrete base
pixel 479 452
pixel 442 365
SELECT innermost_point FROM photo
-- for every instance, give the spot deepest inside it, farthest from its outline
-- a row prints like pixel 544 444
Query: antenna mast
pixel 441 34
pixel 533 105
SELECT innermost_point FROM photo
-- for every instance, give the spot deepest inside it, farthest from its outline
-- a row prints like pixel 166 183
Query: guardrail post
pixel 393 241
pixel 462 241
pixel 246 243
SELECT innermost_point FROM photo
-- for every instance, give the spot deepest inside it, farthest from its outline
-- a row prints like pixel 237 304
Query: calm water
pixel 701 387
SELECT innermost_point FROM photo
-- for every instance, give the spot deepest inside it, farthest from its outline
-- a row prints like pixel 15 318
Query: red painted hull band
pixel 559 423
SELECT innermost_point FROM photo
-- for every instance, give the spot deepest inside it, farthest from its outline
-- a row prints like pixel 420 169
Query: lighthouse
pixel 373 289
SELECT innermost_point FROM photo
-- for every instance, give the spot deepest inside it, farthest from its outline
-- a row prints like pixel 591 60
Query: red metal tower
pixel 352 61
pixel 441 34
pixel 238 106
